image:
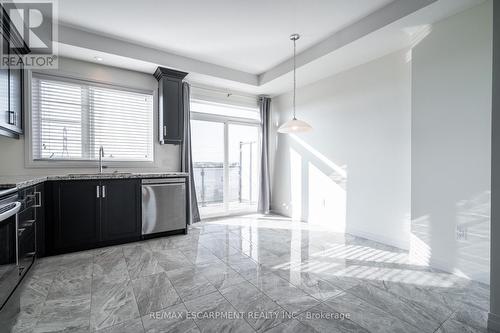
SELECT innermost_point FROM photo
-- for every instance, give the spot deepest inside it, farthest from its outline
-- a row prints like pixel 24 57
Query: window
pixel 246 113
pixel 72 119
pixel 226 155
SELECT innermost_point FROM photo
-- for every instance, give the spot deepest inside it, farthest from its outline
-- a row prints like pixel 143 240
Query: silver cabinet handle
pixel 104 191
pixel 28 223
pixel 164 130
pixel 12 117
pixel 38 199
pixel 98 191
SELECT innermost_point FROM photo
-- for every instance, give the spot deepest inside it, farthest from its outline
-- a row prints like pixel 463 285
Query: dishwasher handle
pixel 163 181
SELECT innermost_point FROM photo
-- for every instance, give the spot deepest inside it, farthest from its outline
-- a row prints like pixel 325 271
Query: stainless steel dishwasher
pixel 163 205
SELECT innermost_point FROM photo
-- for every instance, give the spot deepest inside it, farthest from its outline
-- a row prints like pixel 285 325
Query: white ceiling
pixel 254 56
pixel 250 36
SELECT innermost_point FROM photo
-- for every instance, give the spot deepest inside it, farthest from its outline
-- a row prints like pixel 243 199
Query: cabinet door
pixel 173 114
pixel 76 216
pixel 5 116
pixel 16 98
pixel 40 219
pixel 120 210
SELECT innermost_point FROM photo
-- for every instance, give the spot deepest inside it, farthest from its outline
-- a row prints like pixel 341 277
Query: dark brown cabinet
pixel 93 213
pixel 170 105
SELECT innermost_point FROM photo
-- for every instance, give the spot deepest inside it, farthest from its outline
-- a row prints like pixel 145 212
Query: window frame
pixel 31 162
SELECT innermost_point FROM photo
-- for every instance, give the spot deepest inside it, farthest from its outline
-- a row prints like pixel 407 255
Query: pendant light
pixel 294 125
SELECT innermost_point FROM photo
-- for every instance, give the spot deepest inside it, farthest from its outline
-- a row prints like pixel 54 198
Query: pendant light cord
pixel 294 75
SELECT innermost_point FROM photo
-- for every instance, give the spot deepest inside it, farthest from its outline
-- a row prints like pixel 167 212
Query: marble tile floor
pixel 245 274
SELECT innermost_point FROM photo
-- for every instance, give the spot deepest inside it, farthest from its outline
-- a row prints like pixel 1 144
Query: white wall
pixel 166 156
pixel 451 136
pixel 352 171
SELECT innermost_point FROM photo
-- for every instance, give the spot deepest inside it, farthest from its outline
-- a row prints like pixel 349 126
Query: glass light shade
pixel 294 126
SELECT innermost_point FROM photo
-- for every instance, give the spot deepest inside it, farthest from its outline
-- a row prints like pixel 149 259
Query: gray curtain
pixel 265 185
pixel 186 158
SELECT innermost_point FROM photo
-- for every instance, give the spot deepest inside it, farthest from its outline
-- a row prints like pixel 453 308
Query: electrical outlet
pixel 461 232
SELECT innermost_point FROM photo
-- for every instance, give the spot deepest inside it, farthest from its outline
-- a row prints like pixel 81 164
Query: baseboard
pixel 400 244
pixel 280 212
pixel 445 267
pixel 368 235
pixel 493 322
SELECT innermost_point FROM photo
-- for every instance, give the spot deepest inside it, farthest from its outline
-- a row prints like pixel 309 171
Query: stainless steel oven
pixel 26 229
pixel 9 243
pixel 17 237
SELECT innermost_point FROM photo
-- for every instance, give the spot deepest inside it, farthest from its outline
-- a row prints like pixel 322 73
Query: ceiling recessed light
pixel 98 58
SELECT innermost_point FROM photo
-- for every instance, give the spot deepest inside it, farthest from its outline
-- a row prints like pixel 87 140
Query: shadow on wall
pixel 470 239
pixel 317 187
pixel 451 144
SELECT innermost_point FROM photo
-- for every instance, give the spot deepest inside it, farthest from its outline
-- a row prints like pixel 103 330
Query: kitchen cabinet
pixel 76 215
pixel 29 218
pixel 40 219
pixel 16 98
pixel 11 82
pixel 4 88
pixel 170 105
pixel 93 213
pixel 120 210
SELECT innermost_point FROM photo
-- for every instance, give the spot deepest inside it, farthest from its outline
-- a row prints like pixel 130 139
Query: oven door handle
pixel 8 191
pixel 5 215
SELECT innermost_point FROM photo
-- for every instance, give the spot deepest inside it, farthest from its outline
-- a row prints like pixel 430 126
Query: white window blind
pixel 71 119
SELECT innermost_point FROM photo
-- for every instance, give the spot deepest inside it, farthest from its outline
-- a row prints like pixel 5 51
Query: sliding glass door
pixel 243 163
pixel 208 165
pixel 226 155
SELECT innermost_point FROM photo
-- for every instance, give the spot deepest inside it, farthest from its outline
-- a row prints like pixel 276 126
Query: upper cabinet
pixel 11 80
pixel 170 105
pixel 4 88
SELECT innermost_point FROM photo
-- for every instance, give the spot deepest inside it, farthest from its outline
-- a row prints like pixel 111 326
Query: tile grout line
pixel 129 281
pixel 258 291
pixel 276 301
pixel 406 300
pixel 440 325
pixel 91 290
pixel 383 310
pixel 182 300
pixel 235 309
pixel 133 291
pixel 214 236
pixel 44 303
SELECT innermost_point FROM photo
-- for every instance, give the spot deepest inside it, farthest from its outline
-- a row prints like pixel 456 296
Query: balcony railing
pixel 209 183
pixel 209 179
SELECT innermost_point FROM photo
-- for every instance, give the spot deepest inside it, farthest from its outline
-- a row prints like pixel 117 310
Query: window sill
pixel 55 164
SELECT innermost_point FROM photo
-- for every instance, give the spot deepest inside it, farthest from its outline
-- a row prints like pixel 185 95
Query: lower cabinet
pixel 91 213
pixel 76 215
pixel 120 210
pixel 40 219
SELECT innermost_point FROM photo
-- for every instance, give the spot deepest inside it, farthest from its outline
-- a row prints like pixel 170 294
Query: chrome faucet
pixel 101 155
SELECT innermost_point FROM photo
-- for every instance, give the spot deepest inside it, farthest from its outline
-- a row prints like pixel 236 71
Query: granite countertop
pixel 30 180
